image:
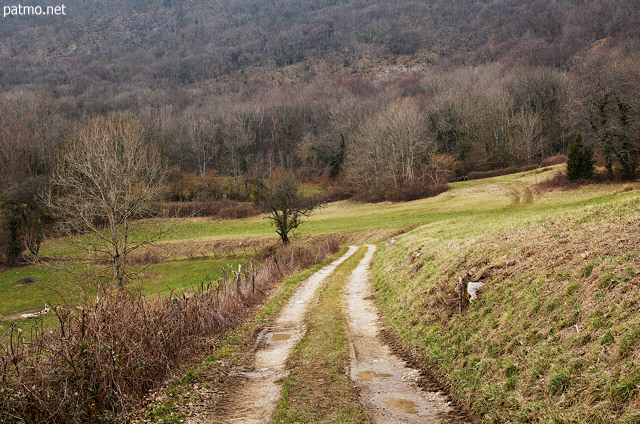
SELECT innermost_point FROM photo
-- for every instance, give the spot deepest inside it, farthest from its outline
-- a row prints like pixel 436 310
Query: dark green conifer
pixel 580 160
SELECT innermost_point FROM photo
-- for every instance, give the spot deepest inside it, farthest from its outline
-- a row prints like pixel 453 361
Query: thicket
pixel 105 353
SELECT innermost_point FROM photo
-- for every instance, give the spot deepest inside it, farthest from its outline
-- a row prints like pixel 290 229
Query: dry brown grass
pixel 216 209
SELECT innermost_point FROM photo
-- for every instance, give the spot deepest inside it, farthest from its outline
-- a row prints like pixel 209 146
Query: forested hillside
pixel 176 42
pixel 386 99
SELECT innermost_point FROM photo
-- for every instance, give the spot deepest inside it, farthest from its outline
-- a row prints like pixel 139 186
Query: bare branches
pixel 281 196
pixel 107 176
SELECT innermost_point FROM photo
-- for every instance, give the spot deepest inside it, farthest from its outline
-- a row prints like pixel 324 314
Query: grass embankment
pixel 554 335
pixel 318 389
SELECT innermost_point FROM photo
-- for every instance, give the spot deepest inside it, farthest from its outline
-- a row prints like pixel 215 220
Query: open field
pixel 553 336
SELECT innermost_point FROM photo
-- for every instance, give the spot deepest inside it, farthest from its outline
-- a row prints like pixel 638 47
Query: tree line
pixel 384 139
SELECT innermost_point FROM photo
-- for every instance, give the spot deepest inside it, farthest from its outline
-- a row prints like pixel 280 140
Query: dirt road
pixel 388 389
pixel 258 391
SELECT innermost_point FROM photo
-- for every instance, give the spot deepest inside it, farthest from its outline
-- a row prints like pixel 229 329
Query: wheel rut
pixel 254 390
pixel 388 386
pixel 389 390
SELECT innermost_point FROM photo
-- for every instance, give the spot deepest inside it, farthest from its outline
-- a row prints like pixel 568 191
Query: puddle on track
pixel 401 405
pixel 370 375
pixel 278 337
pixel 256 395
pixel 389 391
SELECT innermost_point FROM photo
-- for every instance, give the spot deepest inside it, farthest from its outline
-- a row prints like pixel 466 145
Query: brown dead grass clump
pixel 106 353
pixel 554 160
pixel 224 209
pixel 560 182
pixel 478 175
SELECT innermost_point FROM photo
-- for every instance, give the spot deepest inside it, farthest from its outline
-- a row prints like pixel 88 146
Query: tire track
pixel 256 388
pixel 389 390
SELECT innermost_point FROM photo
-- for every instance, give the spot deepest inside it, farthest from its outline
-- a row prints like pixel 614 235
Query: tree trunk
pixel 118 272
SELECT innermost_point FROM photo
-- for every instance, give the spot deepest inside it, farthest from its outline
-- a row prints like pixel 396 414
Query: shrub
pixel 219 209
pixel 554 160
pixel 478 175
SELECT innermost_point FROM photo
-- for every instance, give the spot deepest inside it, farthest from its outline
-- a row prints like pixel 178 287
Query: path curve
pixel 255 398
pixel 389 391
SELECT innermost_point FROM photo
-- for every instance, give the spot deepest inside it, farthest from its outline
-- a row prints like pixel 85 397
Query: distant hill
pixel 179 42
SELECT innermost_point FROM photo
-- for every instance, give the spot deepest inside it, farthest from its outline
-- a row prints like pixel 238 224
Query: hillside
pixel 177 42
pixel 553 334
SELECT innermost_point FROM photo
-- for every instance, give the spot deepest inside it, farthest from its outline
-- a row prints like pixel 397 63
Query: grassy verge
pixel 318 389
pixel 554 335
pixel 206 376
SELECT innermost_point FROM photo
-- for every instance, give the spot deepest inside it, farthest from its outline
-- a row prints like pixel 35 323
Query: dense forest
pixel 381 100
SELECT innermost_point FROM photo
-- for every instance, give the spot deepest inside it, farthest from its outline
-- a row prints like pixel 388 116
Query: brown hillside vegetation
pixel 553 336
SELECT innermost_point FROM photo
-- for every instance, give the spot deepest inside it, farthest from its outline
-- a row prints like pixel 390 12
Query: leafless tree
pixel 200 131
pixel 390 147
pixel 282 198
pixel 237 137
pixel 106 178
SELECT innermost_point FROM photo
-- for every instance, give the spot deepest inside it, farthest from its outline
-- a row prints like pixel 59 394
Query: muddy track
pixel 254 390
pixel 389 386
pixel 393 388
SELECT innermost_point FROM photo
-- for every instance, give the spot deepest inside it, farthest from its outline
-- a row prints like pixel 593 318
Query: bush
pixel 478 175
pixel 554 160
pixel 220 209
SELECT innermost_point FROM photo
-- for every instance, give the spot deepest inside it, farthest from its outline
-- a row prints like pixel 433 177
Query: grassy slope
pixel 554 335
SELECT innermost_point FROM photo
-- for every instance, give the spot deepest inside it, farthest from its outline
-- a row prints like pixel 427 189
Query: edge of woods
pixel 106 355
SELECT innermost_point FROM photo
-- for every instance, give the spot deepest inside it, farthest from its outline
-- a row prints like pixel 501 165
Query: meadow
pixel 553 335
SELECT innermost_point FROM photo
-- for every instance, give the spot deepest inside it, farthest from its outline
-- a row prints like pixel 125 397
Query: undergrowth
pixel 107 352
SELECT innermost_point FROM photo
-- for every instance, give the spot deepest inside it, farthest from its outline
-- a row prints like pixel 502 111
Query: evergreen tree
pixel 580 160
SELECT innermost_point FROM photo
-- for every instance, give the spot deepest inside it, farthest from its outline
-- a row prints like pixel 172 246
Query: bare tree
pixel 237 137
pixel 200 132
pixel 281 196
pixel 106 178
pixel 389 148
